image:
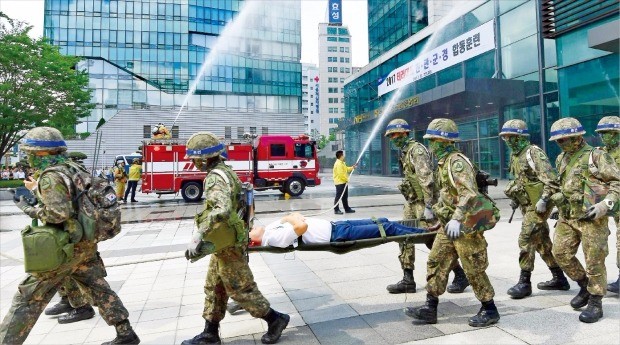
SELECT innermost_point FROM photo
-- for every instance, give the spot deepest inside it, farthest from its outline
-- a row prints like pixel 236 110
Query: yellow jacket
pixel 341 172
pixel 135 170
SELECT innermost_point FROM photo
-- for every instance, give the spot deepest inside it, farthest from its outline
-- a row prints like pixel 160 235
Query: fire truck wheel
pixel 294 186
pixel 191 191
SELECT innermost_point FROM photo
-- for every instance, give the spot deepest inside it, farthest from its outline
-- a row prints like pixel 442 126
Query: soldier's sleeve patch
pixel 45 183
pixel 458 166
pixel 542 155
pixel 419 151
pixel 211 180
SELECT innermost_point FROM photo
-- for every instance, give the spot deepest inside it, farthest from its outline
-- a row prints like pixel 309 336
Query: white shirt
pixel 282 235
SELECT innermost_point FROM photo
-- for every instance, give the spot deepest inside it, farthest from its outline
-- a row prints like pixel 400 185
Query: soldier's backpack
pixel 482 213
pixel 95 201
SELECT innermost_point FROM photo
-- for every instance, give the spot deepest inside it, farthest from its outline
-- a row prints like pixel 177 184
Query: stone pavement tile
pixel 395 327
pixel 353 273
pixel 166 337
pixel 302 284
pixel 133 297
pixel 301 335
pixel 194 322
pixel 70 337
pixel 451 318
pixel 295 277
pixel 561 325
pixel 284 307
pixel 279 297
pixel 162 302
pixel 155 326
pixel 34 338
pixel 270 289
pixel 245 340
pixel 244 327
pixel 342 261
pixel 175 282
pixel 490 335
pixel 191 310
pixel 327 313
pixel 193 282
pixel 44 325
pixel 310 293
pixel 352 330
pixel 193 299
pixel 318 302
pixel 157 314
pixel 362 288
pixel 385 302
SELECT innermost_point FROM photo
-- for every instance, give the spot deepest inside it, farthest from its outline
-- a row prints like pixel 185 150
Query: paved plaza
pixel 332 299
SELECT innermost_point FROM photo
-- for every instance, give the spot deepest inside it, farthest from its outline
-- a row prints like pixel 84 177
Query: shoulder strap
pixel 528 158
pixel 575 158
pixel 593 168
pixel 223 175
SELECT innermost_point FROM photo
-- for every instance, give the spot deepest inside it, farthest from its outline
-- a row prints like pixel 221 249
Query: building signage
pixel 335 11
pixel 464 47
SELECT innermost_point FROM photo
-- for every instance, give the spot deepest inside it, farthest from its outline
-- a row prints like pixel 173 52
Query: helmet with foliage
pixel 43 139
pixel 442 129
pixel 609 124
pixel 515 127
pixel 566 128
pixel 204 145
pixel 397 126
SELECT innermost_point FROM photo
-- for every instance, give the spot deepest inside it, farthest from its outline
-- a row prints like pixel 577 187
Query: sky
pixel 313 12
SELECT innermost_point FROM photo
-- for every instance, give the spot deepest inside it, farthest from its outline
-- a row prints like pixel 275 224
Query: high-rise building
pixel 310 99
pixel 391 22
pixel 486 62
pixel 143 56
pixel 334 66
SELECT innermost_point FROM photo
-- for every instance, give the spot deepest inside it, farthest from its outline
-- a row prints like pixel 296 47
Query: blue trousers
pixel 349 230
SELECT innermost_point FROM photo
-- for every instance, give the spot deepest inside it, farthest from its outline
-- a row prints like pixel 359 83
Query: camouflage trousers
pixel 592 235
pixel 86 270
pixel 534 237
pixel 120 190
pixel 70 289
pixel 412 210
pixel 472 250
pixel 617 220
pixel 229 275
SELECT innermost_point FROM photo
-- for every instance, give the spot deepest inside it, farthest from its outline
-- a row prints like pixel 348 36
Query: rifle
pixel 514 205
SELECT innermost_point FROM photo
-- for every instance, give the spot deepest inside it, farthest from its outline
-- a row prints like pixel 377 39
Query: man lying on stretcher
pixel 284 232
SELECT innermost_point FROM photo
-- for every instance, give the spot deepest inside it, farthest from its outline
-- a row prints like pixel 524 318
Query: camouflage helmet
pixel 566 128
pixel 41 139
pixel 608 124
pixel 515 127
pixel 442 129
pixel 397 126
pixel 204 145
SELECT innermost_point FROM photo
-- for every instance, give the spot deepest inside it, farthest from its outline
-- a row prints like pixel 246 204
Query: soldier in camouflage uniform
pixel 229 274
pixel 534 181
pixel 609 129
pixel 589 189
pixel 419 191
pixel 45 148
pixel 457 190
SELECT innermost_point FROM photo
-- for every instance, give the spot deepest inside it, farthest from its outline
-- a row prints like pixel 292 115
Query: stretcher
pixel 349 246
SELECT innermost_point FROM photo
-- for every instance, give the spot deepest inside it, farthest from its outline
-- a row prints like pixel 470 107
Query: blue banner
pixel 335 11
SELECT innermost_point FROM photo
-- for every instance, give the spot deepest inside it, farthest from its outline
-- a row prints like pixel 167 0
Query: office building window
pixel 265 130
pixel 239 132
pixel 227 132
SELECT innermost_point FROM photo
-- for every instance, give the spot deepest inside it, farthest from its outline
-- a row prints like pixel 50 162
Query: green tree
pixel 38 85
pixel 322 141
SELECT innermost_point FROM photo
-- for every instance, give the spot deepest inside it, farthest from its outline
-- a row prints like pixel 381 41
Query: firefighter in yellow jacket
pixel 341 179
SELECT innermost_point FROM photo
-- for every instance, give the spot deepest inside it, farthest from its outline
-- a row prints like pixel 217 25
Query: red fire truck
pixel 268 161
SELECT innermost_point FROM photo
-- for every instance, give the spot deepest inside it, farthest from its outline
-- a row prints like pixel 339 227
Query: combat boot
pixel 78 314
pixel 582 297
pixel 594 311
pixel 460 282
pixel 233 307
pixel 612 287
pixel 487 315
pixel 407 285
pixel 124 334
pixel 276 323
pixel 210 335
pixel 558 282
pixel 426 313
pixel 523 287
pixel 59 308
